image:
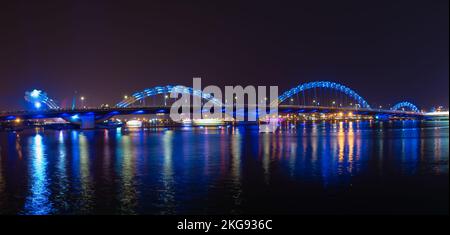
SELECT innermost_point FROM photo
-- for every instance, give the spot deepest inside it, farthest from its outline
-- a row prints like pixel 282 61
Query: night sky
pixel 387 51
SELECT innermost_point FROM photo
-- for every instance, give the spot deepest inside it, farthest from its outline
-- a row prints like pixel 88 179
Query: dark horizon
pixel 387 51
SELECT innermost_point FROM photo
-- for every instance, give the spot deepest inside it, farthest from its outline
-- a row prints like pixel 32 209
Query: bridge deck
pixel 67 113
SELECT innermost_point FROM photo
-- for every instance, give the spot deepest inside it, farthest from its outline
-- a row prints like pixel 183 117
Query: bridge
pixel 311 97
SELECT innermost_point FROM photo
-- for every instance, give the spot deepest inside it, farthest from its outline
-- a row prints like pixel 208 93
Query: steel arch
pixel 405 104
pixel 166 90
pixel 324 84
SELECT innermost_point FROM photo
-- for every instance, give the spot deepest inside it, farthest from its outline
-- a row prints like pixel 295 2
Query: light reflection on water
pixel 231 170
pixel 168 192
pixel 37 202
pixel 62 180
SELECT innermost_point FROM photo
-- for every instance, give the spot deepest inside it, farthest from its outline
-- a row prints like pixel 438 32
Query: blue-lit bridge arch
pixel 405 104
pixel 165 90
pixel 327 85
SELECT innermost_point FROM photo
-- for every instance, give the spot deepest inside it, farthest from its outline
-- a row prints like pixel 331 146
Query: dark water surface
pixel 342 167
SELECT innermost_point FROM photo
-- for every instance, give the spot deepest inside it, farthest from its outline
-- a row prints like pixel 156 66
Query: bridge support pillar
pixel 87 121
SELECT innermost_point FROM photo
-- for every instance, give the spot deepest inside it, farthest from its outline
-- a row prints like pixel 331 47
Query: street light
pixel 82 101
